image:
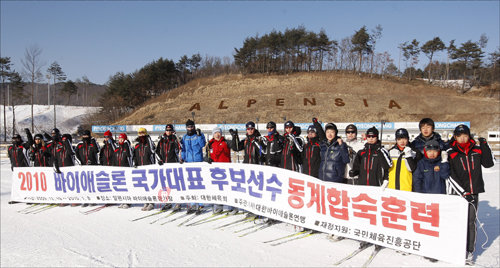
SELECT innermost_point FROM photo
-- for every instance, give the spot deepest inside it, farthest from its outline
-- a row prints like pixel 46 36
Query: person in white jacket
pixel 353 146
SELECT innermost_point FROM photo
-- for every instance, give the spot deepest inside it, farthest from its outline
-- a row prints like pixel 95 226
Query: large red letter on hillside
pixel 195 106
pixel 250 102
pixel 393 103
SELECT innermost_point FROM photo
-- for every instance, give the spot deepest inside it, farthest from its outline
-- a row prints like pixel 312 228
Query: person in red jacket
pixel 466 158
pixel 219 152
pixel 219 149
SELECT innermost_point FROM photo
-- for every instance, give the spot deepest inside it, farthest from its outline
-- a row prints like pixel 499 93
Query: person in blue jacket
pixel 192 144
pixel 432 171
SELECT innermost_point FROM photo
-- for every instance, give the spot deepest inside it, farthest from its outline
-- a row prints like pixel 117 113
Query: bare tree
pixel 5 73
pixel 32 65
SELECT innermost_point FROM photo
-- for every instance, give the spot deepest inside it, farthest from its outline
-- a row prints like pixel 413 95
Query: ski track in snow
pixel 63 236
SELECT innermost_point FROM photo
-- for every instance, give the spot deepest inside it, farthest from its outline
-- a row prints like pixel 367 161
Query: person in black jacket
pixel 107 150
pixel 292 148
pixel 252 144
pixel 426 126
pixel 334 153
pixel 273 145
pixel 168 147
pixel 39 153
pixel 372 163
pixel 466 158
pixel 311 155
pixel 87 150
pixel 122 157
pixel 61 150
pixel 18 152
pixel 144 154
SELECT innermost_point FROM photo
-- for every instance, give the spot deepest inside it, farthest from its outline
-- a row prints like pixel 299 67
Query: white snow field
pixel 68 118
pixel 64 237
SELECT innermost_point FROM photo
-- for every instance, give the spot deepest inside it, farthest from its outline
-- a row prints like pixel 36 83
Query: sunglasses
pixel 169 130
pixel 371 136
pixel 350 132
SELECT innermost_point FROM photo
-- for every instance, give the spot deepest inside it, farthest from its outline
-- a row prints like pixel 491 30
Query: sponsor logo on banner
pixel 387 125
pixel 102 129
pixel 430 225
pixel 449 125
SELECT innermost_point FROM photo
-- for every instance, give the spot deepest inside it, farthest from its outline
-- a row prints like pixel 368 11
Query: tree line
pixel 299 50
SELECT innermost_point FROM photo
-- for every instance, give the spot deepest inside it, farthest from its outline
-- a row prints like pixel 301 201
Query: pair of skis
pixel 291 237
pixel 37 208
pixel 94 210
pixel 362 247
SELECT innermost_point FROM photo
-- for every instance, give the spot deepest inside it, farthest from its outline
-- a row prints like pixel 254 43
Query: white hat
pixel 217 129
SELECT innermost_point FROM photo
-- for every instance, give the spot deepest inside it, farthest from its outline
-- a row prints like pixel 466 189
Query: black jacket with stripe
pixel 465 164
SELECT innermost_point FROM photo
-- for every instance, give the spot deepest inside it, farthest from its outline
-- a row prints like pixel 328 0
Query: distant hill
pixel 332 97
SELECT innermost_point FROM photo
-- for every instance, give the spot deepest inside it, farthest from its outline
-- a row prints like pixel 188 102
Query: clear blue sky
pixel 98 39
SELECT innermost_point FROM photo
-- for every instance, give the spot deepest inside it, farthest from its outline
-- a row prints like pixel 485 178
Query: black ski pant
pixel 471 224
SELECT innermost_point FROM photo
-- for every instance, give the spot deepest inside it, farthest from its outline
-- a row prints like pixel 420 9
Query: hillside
pixel 332 97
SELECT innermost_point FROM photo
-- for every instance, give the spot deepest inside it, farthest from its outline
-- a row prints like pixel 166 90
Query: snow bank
pixel 66 237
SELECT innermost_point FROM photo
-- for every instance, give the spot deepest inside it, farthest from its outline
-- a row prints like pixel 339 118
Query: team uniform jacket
pixel 18 155
pixel 426 180
pixel 123 154
pixel 311 157
pixel 400 174
pixel 62 153
pixel 168 149
pixel 465 165
pixel 144 151
pixel 219 150
pixel 87 151
pixel 371 165
pixel 252 146
pixel 106 153
pixel 40 156
pixel 192 147
pixel 291 155
pixel 273 147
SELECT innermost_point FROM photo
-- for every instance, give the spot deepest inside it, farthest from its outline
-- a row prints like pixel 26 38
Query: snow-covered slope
pixel 68 118
pixel 66 237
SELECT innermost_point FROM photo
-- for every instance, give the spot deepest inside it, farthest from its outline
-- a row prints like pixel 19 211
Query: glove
pixel 444 157
pixel 182 161
pixel 384 184
pixel 481 140
pixel 469 198
pixel 315 120
pixel 160 162
pixel 408 152
pixel 210 160
pixel 135 165
pixel 58 170
pixel 231 131
pixel 47 136
pixel 27 130
pixel 198 132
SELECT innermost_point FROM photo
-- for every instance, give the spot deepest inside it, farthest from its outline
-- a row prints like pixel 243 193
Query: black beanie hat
pixel 86 132
pixel 271 124
pixel 351 127
pixel 170 127
pixel 189 122
pixel 372 131
pixel 331 126
pixel 461 129
pixel 250 124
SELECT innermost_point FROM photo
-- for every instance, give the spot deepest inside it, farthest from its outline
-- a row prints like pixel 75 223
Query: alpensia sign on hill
pixel 430 225
pixel 280 102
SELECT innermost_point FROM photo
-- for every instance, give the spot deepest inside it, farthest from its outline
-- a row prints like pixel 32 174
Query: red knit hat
pixel 108 134
pixel 123 136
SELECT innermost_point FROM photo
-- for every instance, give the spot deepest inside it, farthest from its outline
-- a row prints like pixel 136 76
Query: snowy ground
pixel 66 237
pixel 68 118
